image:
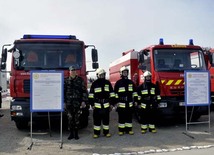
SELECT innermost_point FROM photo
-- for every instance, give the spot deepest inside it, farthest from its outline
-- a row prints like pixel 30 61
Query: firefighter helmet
pixel 124 68
pixel 100 71
pixel 147 73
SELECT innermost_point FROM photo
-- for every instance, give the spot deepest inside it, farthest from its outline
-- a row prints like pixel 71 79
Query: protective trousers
pixel 124 119
pixel 147 117
pixel 101 116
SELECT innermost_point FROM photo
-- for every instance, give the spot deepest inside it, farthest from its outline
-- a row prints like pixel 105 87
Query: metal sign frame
pixel 197 93
pixel 46 95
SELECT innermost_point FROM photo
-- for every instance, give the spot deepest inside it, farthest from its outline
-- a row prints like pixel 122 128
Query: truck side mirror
pixel 4 55
pixel 95 65
pixel 94 55
pixel 140 57
pixel 211 57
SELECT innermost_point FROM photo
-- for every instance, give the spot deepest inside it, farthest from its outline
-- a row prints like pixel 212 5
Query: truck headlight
pixel 162 105
pixel 16 107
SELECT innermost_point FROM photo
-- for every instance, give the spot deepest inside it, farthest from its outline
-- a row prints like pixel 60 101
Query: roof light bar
pixel 30 36
pixel 161 41
pixel 191 42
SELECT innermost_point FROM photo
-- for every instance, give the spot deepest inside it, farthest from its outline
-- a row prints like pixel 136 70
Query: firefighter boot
pixel 71 135
pixel 95 136
pixel 131 132
pixel 108 135
pixel 143 128
pixel 76 136
pixel 120 133
pixel 152 128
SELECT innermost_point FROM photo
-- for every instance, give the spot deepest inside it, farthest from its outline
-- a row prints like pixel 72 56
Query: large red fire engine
pixel 42 52
pixel 167 64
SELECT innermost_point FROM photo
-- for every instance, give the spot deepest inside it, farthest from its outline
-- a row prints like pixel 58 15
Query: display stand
pixel 197 93
pixel 46 95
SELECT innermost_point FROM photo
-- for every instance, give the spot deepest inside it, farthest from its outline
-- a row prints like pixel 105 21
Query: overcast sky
pixel 113 26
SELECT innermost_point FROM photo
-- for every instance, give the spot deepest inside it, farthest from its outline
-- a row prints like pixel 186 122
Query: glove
pixel 83 105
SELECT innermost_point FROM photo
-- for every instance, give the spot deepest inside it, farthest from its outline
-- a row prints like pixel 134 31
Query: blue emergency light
pixel 191 42
pixel 161 41
pixel 30 36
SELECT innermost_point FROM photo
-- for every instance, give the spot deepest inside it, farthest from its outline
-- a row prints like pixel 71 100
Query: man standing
pixel 101 99
pixel 149 98
pixel 125 93
pixel 75 94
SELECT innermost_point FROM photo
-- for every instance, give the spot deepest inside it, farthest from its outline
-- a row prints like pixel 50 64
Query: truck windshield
pixel 48 55
pixel 178 59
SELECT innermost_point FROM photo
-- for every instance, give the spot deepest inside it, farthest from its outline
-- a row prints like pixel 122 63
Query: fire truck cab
pixel 42 52
pixel 167 64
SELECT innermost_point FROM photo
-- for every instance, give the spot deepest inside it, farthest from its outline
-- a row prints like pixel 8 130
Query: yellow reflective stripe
pixel 122 89
pixel 121 105
pixel 144 92
pixel 105 127
pixel 106 105
pixel 96 90
pixel 121 125
pixel 139 98
pixel 178 82
pixel 158 97
pixel 97 128
pixel 130 87
pixel 130 104
pixel 90 95
pixel 143 126
pixel 128 125
pixel 152 91
pixel 162 81
pixel 152 126
pixel 116 96
pixel 169 82
pixel 134 94
pixel 143 105
pixel 97 105
pixel 112 94
pixel 106 88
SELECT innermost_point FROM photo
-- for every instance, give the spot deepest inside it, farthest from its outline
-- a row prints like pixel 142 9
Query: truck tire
pixel 21 125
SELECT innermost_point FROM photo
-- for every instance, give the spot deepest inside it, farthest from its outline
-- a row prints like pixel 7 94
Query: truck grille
pixel 177 92
pixel 26 86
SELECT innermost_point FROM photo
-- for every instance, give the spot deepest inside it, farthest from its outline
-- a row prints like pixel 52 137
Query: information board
pixel 46 91
pixel 197 88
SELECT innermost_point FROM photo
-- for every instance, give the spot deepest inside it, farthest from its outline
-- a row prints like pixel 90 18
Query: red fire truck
pixel 42 52
pixel 167 64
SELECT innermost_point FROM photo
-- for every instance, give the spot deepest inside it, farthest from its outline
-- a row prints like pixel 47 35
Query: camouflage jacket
pixel 75 90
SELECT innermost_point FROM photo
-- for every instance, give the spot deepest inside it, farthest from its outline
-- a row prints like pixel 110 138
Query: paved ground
pixel 171 138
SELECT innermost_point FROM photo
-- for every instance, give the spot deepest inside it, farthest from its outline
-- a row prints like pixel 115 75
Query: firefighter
pixel 148 100
pixel 76 97
pixel 101 98
pixel 124 93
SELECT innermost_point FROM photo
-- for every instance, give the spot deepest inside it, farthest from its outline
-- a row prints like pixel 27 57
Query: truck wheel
pixel 21 125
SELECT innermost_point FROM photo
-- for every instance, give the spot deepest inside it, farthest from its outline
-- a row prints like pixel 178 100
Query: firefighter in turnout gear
pixel 76 97
pixel 148 100
pixel 125 93
pixel 101 98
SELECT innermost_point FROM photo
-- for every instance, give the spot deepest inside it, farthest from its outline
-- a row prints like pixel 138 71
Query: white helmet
pixel 147 73
pixel 100 71
pixel 124 68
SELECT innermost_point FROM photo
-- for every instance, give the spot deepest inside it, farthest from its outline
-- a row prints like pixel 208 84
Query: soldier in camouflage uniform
pixel 76 97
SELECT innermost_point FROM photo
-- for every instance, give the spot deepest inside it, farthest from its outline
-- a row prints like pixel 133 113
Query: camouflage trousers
pixel 73 114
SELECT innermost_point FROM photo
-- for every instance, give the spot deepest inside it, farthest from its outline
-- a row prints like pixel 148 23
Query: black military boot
pixel 71 135
pixel 76 136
